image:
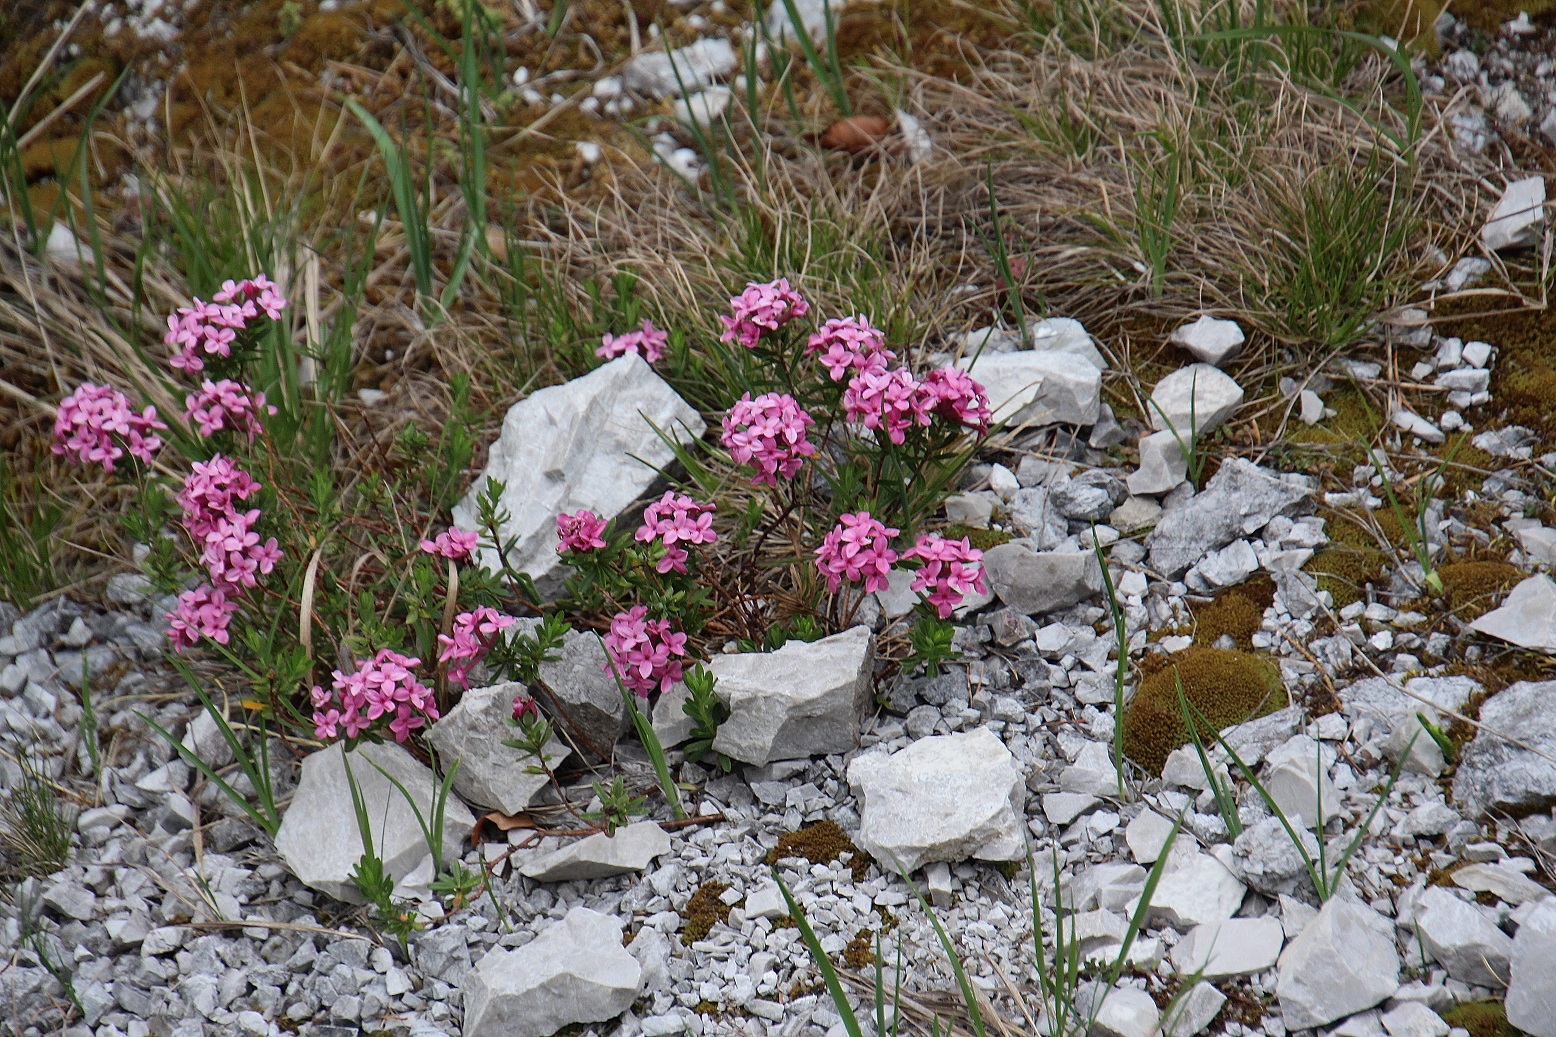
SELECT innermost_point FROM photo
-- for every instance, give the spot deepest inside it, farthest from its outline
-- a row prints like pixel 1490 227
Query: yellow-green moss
pixel 860 951
pixel 981 538
pixel 703 910
pixel 1226 687
pixel 1481 1019
pixel 820 843
pixel 1473 588
pixel 1236 612
pixel 1344 571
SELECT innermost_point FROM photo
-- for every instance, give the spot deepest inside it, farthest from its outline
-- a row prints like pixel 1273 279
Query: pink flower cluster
pixel 226 404
pixel 857 548
pixel 580 531
pixel 649 342
pixel 676 519
pixel 381 686
pixel 888 401
pixel 209 491
pixel 230 550
pixel 950 571
pixel 646 653
pixel 474 634
pixel 762 308
pixel 958 397
pixel 768 433
pixel 455 544
pixel 209 329
pixel 202 612
pixel 233 554
pixel 850 344
pixel 97 424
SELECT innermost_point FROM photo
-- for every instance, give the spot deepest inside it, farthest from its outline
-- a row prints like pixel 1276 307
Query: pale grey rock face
pixel 805 699
pixel 1035 515
pixel 812 19
pixel 1343 962
pixel 945 798
pixel 1033 582
pixel 1237 502
pixel 1531 990
pixel 1210 340
pixel 1269 862
pixel 1388 707
pixel 1517 214
pixel 671 724
pixel 1297 779
pixel 1065 335
pixel 577 971
pixel 1032 388
pixel 1147 835
pixel 1504 883
pixel 319 838
pixel 1235 947
pixel 588 443
pixel 588 697
pixel 1414 1019
pixel 1125 1012
pixel 598 856
pixel 1194 890
pixel 1194 1011
pixel 1462 937
pixel 653 73
pixel 1526 617
pixel 1193 401
pixel 490 774
pixel 1090 496
pixel 1496 775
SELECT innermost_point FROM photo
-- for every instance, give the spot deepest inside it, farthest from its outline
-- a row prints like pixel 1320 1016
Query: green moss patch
pixel 1226 687
pixel 703 910
pixel 1473 588
pixel 1481 1019
pixel 820 843
pixel 1235 612
pixel 1345 571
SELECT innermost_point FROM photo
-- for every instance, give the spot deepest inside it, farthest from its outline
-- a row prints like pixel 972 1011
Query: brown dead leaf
pixel 501 822
pixel 856 134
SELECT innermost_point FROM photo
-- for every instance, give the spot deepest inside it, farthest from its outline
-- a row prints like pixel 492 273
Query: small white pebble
pixel 589 151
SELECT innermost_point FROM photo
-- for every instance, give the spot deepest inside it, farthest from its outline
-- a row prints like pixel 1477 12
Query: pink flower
pixel 645 653
pixel 96 424
pixel 762 308
pixel 890 401
pixel 956 395
pixel 258 289
pixel 473 636
pixel 581 531
pixel 218 405
pixel 202 612
pixel 209 492
pixel 203 330
pixel 675 519
pixel 850 343
pixel 383 686
pixel 455 544
pixel 857 549
pixel 768 433
pixel 650 342
pixel 233 553
pixel 950 571
pixel 525 706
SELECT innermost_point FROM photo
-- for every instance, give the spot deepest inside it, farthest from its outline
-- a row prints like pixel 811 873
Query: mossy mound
pixel 1481 1019
pixel 820 843
pixel 1235 612
pixel 703 910
pixel 981 538
pixel 1226 687
pixel 1473 588
pixel 1345 571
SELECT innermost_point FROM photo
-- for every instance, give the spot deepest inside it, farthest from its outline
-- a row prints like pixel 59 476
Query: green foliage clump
pixel 1226 687
pixel 1481 1019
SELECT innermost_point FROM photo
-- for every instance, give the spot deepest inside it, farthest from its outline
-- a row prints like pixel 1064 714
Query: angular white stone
pixel 491 774
pixel 1238 501
pixel 1462 937
pixel 1134 514
pixel 1063 807
pixel 1092 772
pixel 1163 464
pixel 1065 335
pixel 1416 425
pixel 1414 1019
pixel 1496 775
pixel 1538 542
pixel 705 108
pixel 319 839
pixel 813 19
pixel 653 72
pixel 598 856
pixel 1125 1012
pixel 943 798
pixel 1504 883
pixel 1210 340
pixel 588 443
pixel 1235 947
pixel 671 724
pixel 1193 400
pixel 1518 212
pixel 1342 963
pixel 1192 1010
pixel 1031 388
pixel 1147 835
pixel 805 699
pixel 1298 781
pixel 1034 582
pixel 1526 617
pixel 1531 990
pixel 577 971
pixel 586 691
pixel 1311 407
pixel 1110 886
pixel 1197 889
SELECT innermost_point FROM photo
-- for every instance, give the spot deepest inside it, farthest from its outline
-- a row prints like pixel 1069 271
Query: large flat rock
pixel 1496 775
pixel 1038 388
pixel 491 774
pixel 1237 502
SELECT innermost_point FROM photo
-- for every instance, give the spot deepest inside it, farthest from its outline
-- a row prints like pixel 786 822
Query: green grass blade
pixel 819 956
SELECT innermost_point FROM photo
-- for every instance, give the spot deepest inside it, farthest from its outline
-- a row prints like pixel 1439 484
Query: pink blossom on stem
pixel 257 289
pixel 525 706
pixel 202 612
pixel 97 425
pixel 233 553
pixel 474 633
pixel 224 404
pixel 383 686
pixel 850 344
pixel 454 544
pixel 889 401
pixel 203 330
pixel 768 433
pixel 580 531
pixel 647 654
pixel 857 548
pixel 950 572
pixel 648 341
pixel 676 519
pixel 956 395
pixel 762 308
pixel 209 492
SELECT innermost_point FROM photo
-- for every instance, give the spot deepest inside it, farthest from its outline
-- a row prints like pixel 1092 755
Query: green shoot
pixel 650 740
pixel 706 713
pixel 407 201
pixel 1121 670
pixel 1226 798
pixel 827 70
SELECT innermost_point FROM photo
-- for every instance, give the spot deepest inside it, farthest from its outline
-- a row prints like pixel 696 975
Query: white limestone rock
pixel 588 443
pixel 586 692
pixel 1146 835
pixel 1235 947
pixel 1518 213
pixel 1034 582
pixel 1343 962
pixel 490 774
pixel 1497 776
pixel 1193 1010
pixel 1526 617
pixel 319 839
pixel 1462 937
pixel 1196 889
pixel 576 971
pixel 1507 885
pixel 1531 988
pixel 1163 464
pixel 1065 335
pixel 1092 773
pixel 813 19
pixel 1210 340
pixel 805 699
pixel 653 73
pixel 704 108
pixel 943 798
pixel 1029 388
pixel 1125 1012
pixel 671 724
pixel 1414 1019
pixel 598 856
pixel 1297 779
pixel 1238 501
pixel 1193 400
